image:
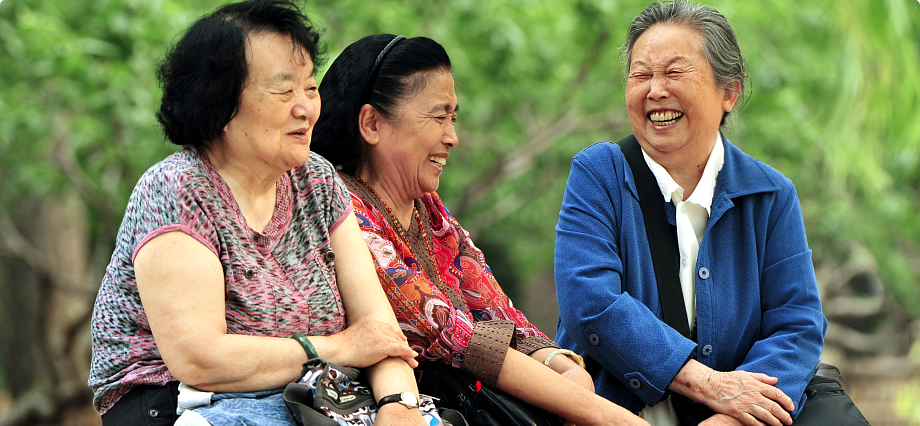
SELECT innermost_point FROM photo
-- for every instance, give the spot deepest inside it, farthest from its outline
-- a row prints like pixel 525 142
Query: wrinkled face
pixel 415 144
pixel 674 103
pixel 278 107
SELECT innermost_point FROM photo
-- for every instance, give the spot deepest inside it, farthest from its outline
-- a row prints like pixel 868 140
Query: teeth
pixel 440 160
pixel 665 118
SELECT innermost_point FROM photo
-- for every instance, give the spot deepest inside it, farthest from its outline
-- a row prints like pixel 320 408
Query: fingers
pixel 770 380
pixel 403 351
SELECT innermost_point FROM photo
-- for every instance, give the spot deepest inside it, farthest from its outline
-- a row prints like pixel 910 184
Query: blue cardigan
pixel 757 297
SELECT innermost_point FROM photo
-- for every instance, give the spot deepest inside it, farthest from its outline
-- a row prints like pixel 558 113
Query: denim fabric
pixel 264 408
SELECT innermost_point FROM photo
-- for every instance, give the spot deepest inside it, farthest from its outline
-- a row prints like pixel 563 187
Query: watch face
pixel 409 399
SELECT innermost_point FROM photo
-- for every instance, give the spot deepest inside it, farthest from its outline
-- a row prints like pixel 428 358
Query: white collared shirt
pixel 691 217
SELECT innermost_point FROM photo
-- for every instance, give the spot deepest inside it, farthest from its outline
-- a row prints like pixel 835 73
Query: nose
pixel 307 105
pixel 450 136
pixel 658 88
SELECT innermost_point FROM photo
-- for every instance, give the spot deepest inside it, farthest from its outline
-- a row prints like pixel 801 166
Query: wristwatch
pixel 405 398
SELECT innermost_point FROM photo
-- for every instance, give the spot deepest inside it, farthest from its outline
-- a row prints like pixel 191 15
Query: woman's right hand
pixel 368 341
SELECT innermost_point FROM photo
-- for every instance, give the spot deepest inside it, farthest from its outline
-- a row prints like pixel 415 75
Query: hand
pixel 368 341
pixel 721 420
pixel 749 398
pixel 395 414
pixel 580 377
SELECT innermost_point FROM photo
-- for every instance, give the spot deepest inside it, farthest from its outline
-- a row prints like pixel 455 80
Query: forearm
pixel 580 406
pixel 559 363
pixel 243 363
pixel 392 375
pixel 235 363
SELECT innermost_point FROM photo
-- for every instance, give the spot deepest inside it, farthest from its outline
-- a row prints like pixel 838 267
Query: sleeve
pixel 481 292
pixel 436 329
pixel 611 326
pixel 331 189
pixel 166 200
pixel 792 327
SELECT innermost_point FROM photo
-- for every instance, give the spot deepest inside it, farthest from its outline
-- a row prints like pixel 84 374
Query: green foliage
pixel 833 101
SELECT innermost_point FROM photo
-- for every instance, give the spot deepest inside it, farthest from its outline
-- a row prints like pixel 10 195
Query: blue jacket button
pixel 704 273
pixel 635 383
pixel 594 339
pixel 707 350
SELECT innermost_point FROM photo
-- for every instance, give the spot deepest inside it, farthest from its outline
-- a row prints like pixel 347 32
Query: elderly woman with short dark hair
pixel 750 296
pixel 240 241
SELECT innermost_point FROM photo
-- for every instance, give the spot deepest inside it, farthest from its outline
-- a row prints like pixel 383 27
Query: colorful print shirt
pixel 466 337
pixel 278 282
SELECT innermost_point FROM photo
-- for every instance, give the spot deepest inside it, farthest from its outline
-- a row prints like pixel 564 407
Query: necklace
pixel 402 232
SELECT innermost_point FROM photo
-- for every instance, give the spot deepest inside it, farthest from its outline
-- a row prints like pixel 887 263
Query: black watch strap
pixel 405 398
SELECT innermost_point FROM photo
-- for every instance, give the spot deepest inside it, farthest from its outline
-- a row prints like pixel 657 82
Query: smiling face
pixel 414 145
pixel 675 105
pixel 278 107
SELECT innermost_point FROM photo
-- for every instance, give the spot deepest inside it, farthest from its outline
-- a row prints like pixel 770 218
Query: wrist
pixel 574 357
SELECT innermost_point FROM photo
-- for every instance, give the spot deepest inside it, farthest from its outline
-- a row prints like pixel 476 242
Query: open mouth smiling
pixel 665 118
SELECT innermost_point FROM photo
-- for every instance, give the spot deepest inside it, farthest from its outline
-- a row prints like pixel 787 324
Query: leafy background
pixel 833 100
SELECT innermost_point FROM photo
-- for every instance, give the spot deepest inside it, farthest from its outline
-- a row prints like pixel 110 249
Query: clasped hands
pixel 737 397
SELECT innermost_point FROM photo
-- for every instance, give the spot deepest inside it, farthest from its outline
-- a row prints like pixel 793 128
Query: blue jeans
pixel 263 408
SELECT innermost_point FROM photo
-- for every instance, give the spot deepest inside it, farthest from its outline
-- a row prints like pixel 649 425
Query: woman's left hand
pixel 399 415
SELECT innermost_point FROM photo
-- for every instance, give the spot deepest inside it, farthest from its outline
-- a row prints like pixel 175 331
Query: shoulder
pixel 749 174
pixel 172 178
pixel 599 153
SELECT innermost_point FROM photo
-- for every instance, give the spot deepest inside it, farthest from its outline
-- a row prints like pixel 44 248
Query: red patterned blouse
pixel 460 317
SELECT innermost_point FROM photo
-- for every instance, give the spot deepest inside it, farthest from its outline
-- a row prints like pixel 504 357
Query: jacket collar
pixel 740 175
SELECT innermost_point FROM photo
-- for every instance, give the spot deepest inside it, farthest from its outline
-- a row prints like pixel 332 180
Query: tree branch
pixel 14 244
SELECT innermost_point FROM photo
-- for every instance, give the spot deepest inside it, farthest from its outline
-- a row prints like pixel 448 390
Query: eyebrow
pixel 671 62
pixel 283 76
pixel 446 107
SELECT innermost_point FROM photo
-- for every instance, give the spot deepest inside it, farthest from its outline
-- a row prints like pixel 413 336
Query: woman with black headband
pixel 388 127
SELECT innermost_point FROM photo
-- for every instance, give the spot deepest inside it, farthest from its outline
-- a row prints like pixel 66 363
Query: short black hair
pixel 352 81
pixel 203 74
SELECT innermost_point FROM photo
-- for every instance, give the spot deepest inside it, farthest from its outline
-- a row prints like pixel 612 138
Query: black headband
pixel 366 94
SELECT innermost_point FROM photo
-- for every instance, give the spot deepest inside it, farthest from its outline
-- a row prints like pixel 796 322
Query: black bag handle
pixel 659 238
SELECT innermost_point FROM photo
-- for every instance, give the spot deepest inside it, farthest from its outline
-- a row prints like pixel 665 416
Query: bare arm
pixel 364 298
pixel 565 367
pixel 181 285
pixel 556 394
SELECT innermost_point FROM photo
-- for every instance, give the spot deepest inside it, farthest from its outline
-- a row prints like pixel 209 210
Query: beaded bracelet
pixel 307 346
pixel 572 355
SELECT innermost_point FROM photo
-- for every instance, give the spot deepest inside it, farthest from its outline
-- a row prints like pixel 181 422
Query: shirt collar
pixel 705 189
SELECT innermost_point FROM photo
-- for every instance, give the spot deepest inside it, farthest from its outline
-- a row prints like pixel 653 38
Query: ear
pixel 731 96
pixel 368 124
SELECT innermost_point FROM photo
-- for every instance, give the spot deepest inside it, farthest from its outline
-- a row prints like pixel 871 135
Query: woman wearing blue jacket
pixel 744 265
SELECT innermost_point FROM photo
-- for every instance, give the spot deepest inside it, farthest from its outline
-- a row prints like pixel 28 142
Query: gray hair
pixel 719 45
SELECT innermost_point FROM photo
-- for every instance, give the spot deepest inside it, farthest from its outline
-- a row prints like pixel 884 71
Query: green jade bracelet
pixel 307 346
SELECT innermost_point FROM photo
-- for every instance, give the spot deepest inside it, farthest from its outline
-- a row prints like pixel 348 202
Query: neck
pixel 685 167
pixel 688 178
pixel 255 192
pixel 400 204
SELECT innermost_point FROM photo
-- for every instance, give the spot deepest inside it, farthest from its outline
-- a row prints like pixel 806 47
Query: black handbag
pixel 826 404
pixel 479 405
